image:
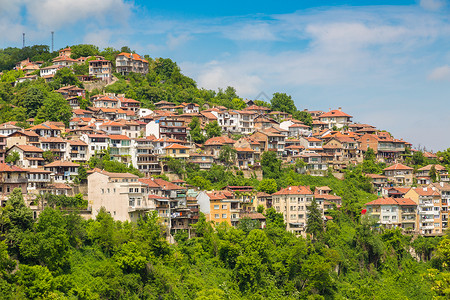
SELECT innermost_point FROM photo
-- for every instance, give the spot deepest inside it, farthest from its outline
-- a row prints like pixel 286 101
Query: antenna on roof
pixel 52 39
pixel 23 40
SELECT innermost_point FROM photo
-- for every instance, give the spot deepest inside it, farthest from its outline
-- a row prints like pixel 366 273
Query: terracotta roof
pixel 392 201
pixel 398 167
pixel 425 191
pixel 176 146
pixel 111 123
pixel 253 216
pixel 59 186
pixel 77 143
pixel 219 140
pixel 262 195
pixel 29 148
pixel 375 176
pixel 294 190
pixel 245 149
pixel 37 170
pixel 428 168
pixel 118 137
pixel 10 168
pixel 61 163
pixel 335 113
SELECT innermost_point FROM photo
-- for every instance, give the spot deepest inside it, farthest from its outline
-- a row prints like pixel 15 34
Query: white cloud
pixel 432 4
pixel 56 14
pixel 440 74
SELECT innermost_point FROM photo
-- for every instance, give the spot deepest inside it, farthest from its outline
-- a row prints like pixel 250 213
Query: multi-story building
pixel 96 143
pixel 78 150
pixel 429 209
pixel 101 68
pixel 39 180
pixel 215 144
pixel 444 190
pixel 12 177
pixel 394 212
pixel 378 182
pixel 219 206
pixel 144 158
pixel 121 194
pixel 29 156
pixel 246 121
pixel 386 148
pixel 131 62
pixel 399 174
pixel 166 127
pixel 336 118
pixel 120 148
pixel 63 171
pixel 423 174
pixel 202 160
pixel 293 203
pixel 56 145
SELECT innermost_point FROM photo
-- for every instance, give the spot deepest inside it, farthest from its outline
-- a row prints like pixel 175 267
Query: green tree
pixel 314 223
pixel 271 165
pixel 227 155
pixel 283 102
pixel 13 157
pixel 213 129
pixel 48 156
pixel 418 159
pixel 268 185
pixel 434 175
pixel 37 281
pixel 56 109
pixel 304 117
pixel 196 131
pixel 274 219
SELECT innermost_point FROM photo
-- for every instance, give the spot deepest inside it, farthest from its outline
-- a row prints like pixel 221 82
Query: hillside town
pixel 54 158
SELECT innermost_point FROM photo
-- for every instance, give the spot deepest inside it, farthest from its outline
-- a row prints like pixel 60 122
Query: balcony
pixel 427 212
pixel 427 227
pixel 426 204
pixel 14 180
pixel 138 208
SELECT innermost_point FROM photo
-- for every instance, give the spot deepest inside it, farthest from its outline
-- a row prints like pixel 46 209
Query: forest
pixel 59 255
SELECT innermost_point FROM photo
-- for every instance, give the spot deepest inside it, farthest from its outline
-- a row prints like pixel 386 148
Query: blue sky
pixel 387 63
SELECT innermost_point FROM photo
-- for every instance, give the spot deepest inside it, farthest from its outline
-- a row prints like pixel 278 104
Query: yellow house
pixel 177 151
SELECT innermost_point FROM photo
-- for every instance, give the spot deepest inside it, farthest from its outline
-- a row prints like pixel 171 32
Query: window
pixel 224 206
pixel 136 190
pixel 216 206
pixel 130 190
pixel 216 216
pixel 224 216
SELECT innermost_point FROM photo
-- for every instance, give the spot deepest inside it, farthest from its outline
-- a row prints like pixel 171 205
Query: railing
pixel 14 180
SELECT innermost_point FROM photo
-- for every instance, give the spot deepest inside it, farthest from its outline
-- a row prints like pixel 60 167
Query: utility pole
pixel 52 40
pixel 23 40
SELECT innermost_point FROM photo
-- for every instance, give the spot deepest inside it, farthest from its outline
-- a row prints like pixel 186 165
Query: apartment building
pixel 121 194
pixel 293 203
pixel 29 156
pixel 429 209
pixel 2 148
pixel 219 206
pixel 63 171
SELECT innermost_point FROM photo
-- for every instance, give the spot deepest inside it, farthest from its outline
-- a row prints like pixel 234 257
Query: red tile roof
pixel 219 140
pixel 334 113
pixel 10 168
pixel 398 167
pixel 295 190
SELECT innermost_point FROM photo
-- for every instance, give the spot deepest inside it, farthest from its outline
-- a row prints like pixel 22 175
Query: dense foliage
pixel 62 256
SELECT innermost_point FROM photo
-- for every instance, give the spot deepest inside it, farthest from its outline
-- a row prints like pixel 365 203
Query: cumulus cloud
pixel 440 74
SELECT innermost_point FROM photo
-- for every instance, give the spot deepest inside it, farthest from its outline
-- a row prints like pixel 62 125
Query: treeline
pixel 62 256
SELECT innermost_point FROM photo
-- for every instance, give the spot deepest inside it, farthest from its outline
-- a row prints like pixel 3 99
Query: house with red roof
pixel 429 201
pixel 177 151
pixel 336 118
pixel 11 177
pixel 394 212
pixel 30 156
pixel 399 174
pixel 127 63
pixel 214 145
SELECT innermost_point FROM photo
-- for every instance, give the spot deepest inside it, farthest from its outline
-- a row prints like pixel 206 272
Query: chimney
pixel 340 108
pixel 441 183
pixel 425 189
pixel 290 188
